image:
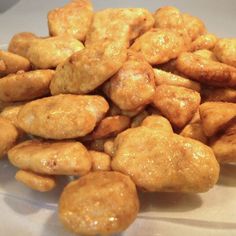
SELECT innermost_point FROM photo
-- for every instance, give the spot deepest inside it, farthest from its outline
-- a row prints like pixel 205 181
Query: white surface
pixel 27 213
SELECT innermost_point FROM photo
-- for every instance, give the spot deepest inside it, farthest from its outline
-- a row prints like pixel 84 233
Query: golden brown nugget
pixel 84 71
pixel 205 71
pixel 25 86
pixel 157 122
pixel 13 63
pixel 100 161
pixel 35 181
pixel 195 27
pixel 177 104
pixel 51 158
pixel 8 136
pixel 48 53
pixel 62 116
pixel 109 147
pixel 72 19
pixel 225 51
pixel 159 45
pixel 207 54
pixel 114 196
pixel 137 120
pixel 163 77
pixel 205 41
pixel 136 20
pixel 161 161
pixel 215 116
pixel 133 86
pixel 20 43
pixel 132 113
pixel 111 126
pixel 224 146
pixel 218 94
pixel 2 65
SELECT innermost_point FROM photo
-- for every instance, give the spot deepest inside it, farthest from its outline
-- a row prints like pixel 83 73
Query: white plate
pixel 28 213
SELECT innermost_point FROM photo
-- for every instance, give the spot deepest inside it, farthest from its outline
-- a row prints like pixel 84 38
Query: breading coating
pixel 205 71
pixel 49 52
pixel 100 161
pixel 100 203
pixel 177 104
pixel 35 181
pixel 133 86
pixel 12 63
pixel 215 116
pixel 72 19
pixel 205 41
pixel 207 54
pixel 112 23
pixel 24 86
pixel 159 45
pixel 8 136
pixel 161 161
pixel 51 158
pixel 111 126
pixel 86 70
pixel 163 77
pixel 225 51
pixel 62 116
pixel 109 147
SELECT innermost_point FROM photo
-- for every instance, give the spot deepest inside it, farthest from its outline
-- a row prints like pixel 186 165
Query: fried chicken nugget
pixel 205 41
pixel 215 116
pixel 109 147
pixel 35 181
pixel 12 63
pixel 161 161
pixel 49 52
pixel 163 77
pixel 137 20
pixel 62 116
pixel 84 71
pixel 177 104
pixel 207 54
pixel 159 45
pixel 24 86
pixel 133 86
pixel 111 126
pixel 100 161
pixel 20 43
pixel 225 51
pixel 8 136
pixel 112 194
pixel 51 158
pixel 73 19
pixel 205 71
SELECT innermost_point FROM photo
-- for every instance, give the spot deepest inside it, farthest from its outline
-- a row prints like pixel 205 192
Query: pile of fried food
pixel 123 98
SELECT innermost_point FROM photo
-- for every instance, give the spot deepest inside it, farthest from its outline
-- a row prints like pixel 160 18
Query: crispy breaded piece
pixel 72 19
pixel 20 43
pixel 12 63
pixel 62 116
pixel 112 23
pixel 35 181
pixel 8 136
pixel 84 71
pixel 24 86
pixel 159 45
pixel 207 54
pixel 205 41
pixel 133 86
pixel 225 51
pixel 206 71
pixel 112 194
pixel 215 116
pixel 224 146
pixel 161 161
pixel 48 53
pixel 51 158
pixel 163 77
pixel 177 104
pixel 100 161
pixel 109 147
pixel 111 126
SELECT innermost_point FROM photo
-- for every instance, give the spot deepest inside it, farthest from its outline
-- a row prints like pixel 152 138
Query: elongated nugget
pixel 51 158
pixel 62 116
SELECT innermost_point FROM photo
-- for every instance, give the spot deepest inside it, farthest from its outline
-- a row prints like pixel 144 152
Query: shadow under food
pixel 227 175
pixel 7 4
